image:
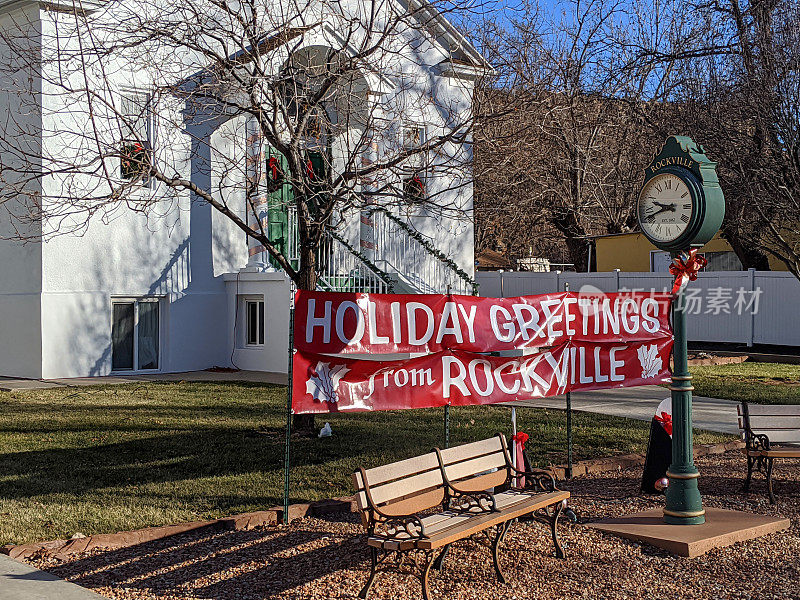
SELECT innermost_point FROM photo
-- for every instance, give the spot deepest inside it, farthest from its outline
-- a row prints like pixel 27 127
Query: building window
pixel 136 146
pixel 722 261
pixel 254 311
pixel 725 260
pixel 413 137
pixel 135 335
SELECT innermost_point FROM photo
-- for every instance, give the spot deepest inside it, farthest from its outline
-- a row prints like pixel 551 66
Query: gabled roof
pixel 462 52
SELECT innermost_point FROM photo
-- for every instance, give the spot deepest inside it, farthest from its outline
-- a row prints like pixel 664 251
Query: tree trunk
pixel 750 255
pixel 567 222
pixel 305 424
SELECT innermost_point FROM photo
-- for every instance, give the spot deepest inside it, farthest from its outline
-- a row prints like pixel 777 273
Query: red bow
pixel 520 437
pixel 310 169
pixel 666 422
pixel 685 271
pixel 273 165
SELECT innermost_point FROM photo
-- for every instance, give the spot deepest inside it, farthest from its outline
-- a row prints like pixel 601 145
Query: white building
pixel 178 287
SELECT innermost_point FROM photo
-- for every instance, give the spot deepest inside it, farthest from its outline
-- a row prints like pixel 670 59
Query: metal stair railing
pixel 401 253
pixel 340 267
pixel 401 249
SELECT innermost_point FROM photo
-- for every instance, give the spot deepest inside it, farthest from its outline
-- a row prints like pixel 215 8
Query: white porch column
pixel 257 197
pixel 367 236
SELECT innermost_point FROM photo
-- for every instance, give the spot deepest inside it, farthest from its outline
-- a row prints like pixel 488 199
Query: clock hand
pixel 658 212
pixel 670 207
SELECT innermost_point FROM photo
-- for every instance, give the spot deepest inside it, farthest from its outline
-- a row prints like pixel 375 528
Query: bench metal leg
pixel 554 529
pixel 750 463
pixel 501 534
pixel 438 564
pixel 769 480
pixel 426 570
pixel 373 571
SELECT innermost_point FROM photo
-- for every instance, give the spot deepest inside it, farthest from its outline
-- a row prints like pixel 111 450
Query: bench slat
pixel 780 436
pixel 772 422
pixel 414 504
pixel 473 449
pixel 475 523
pixel 402 468
pixel 783 453
pixel 474 466
pixel 773 410
pixel 407 486
pixel 481 482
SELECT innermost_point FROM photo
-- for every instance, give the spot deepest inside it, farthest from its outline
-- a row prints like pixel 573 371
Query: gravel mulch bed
pixel 321 559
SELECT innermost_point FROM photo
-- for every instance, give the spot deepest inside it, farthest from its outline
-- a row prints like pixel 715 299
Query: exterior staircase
pixel 404 262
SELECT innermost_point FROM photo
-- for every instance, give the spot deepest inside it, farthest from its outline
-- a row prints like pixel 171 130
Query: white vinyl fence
pixel 745 307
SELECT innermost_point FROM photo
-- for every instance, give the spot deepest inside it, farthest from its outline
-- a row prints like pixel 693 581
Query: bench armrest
pixel 756 442
pixel 388 525
pixel 541 480
pixel 463 500
pixel 470 502
pixel 401 528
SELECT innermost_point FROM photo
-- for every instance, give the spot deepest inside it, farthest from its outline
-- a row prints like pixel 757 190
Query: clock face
pixel 665 207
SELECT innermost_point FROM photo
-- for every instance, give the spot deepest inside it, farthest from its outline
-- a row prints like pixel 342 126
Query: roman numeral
pixel 687 207
pixel 684 194
pixel 668 184
pixel 685 218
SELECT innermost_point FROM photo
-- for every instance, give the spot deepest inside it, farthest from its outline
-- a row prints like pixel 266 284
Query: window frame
pixel 248 300
pixel 136 301
pixel 146 98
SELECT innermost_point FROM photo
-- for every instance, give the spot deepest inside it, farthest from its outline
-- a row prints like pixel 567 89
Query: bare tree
pixel 306 109
pixel 567 140
pixel 733 71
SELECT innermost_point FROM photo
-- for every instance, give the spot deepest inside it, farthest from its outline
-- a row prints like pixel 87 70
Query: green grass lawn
pixel 762 383
pixel 103 459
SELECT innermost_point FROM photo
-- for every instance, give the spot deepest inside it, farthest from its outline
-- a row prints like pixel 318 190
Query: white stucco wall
pixel 20 264
pixel 56 297
pixel 273 288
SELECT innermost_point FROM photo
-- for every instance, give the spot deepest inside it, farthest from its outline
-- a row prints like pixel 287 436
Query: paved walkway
pixel 19 581
pixel 640 403
pixel 9 384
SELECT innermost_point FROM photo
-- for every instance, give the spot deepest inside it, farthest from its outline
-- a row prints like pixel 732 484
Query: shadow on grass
pixel 263 562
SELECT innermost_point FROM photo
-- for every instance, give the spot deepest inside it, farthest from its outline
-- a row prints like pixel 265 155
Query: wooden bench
pixel 424 504
pixel 770 431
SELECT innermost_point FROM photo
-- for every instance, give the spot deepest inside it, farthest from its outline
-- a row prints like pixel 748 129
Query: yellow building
pixel 634 252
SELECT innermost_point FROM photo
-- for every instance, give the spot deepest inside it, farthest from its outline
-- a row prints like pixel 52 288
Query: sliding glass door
pixel 135 339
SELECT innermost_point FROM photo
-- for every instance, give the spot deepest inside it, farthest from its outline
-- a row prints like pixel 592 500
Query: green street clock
pixel 681 203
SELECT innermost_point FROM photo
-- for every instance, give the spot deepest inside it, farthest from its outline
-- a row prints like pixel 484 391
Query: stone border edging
pixel 246 521
pixel 718 360
pixel 123 539
pixel 625 461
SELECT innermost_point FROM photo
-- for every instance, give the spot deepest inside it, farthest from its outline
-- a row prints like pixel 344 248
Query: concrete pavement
pixel 19 581
pixel 640 403
pixel 10 384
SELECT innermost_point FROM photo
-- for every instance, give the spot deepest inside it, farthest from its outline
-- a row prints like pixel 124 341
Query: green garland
pixel 416 235
pixel 373 267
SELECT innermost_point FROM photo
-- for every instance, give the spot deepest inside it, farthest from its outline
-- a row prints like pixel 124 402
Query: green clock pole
pixel 684 506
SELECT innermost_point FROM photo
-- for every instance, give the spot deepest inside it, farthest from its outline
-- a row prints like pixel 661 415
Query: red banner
pixel 336 323
pixel 323 384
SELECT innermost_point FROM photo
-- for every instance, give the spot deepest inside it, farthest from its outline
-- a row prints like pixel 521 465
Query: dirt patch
pixel 321 558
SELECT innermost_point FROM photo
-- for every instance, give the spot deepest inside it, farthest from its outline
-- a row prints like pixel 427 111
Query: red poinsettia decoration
pixel 666 422
pixel 414 190
pixel 686 270
pixel 134 160
pixel 520 437
pixel 274 174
